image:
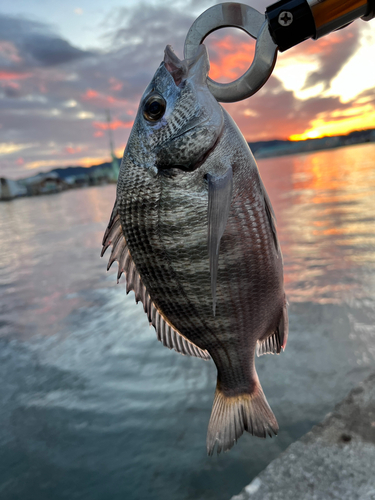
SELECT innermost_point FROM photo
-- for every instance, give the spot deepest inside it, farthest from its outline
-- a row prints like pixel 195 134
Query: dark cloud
pixel 138 40
pixel 49 50
pixel 11 92
pixel 36 44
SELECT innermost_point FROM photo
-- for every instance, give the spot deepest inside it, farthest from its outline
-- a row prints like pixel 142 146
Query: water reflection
pixel 94 407
pixel 49 254
pixel 326 222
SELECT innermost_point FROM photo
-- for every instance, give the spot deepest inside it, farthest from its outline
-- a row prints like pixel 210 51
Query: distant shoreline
pixel 269 149
pixel 293 153
pixel 64 178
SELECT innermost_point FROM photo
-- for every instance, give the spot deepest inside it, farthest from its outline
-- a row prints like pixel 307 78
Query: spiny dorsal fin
pixel 165 332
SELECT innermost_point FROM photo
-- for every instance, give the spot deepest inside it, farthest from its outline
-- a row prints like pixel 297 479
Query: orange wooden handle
pixel 333 14
pixel 330 10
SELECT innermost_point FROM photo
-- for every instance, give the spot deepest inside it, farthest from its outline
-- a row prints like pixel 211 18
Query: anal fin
pixel 165 332
pixel 173 339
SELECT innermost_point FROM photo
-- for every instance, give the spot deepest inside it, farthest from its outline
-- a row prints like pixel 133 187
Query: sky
pixel 64 64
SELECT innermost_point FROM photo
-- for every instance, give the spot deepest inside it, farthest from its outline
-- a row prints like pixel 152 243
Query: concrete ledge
pixel 335 460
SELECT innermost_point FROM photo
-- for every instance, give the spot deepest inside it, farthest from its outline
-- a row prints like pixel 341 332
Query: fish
pixel 194 232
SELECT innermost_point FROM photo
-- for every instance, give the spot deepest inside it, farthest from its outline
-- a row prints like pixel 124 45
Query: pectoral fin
pixel 220 190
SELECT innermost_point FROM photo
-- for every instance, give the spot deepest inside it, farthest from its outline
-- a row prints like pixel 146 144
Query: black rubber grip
pixel 290 23
pixel 370 14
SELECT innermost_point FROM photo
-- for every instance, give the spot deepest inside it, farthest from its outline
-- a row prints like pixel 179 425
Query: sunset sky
pixel 63 64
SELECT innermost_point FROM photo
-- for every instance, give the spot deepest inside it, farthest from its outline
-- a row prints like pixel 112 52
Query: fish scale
pixel 155 267
pixel 200 230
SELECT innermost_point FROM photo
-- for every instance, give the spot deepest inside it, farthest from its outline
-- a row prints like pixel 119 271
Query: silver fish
pixel 194 232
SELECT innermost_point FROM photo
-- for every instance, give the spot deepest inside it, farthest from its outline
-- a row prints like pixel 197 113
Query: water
pixel 93 407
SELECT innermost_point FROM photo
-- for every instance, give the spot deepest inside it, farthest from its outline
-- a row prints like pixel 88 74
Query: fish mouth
pixel 180 69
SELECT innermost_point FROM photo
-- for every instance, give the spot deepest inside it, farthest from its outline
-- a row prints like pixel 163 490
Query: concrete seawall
pixel 335 460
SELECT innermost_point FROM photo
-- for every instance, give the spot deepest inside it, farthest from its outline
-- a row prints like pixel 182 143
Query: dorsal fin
pixel 165 332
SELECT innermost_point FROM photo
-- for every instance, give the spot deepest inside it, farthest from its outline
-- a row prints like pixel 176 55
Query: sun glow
pixel 7 148
pixel 328 128
pixel 86 162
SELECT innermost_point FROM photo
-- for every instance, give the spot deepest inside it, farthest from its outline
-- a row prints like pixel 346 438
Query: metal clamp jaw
pixel 285 24
pixel 251 21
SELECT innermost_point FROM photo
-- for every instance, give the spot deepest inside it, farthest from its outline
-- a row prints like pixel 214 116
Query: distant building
pixel 48 183
pixel 10 189
pixel 115 168
pixel 100 176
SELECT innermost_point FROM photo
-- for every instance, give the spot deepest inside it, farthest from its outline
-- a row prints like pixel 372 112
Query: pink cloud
pixel 9 51
pixel 71 150
pixel 13 75
pixel 113 125
pixel 11 84
pixel 90 94
pixel 115 84
pixel 235 58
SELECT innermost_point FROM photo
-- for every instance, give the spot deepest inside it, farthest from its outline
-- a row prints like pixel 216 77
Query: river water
pixel 93 407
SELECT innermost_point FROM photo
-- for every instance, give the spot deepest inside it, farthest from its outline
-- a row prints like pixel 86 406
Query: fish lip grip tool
pixel 248 19
pixel 285 24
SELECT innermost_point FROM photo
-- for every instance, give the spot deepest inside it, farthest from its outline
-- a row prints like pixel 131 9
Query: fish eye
pixel 154 108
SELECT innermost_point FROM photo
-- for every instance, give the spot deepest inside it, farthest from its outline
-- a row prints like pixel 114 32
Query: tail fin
pixel 232 415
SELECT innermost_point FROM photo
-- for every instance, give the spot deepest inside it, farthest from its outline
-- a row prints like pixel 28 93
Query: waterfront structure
pixel 115 167
pixel 10 189
pixel 44 183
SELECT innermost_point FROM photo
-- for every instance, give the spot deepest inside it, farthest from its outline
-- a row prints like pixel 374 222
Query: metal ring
pixel 248 19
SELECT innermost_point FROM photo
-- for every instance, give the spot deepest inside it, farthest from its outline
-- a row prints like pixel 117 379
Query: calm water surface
pixel 93 407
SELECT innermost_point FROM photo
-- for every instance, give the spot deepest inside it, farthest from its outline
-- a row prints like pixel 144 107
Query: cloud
pixel 332 52
pixel 14 75
pixel 54 96
pixel 11 91
pixel 113 126
pixel 49 51
pixel 276 113
pixel 45 72
pixel 27 44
